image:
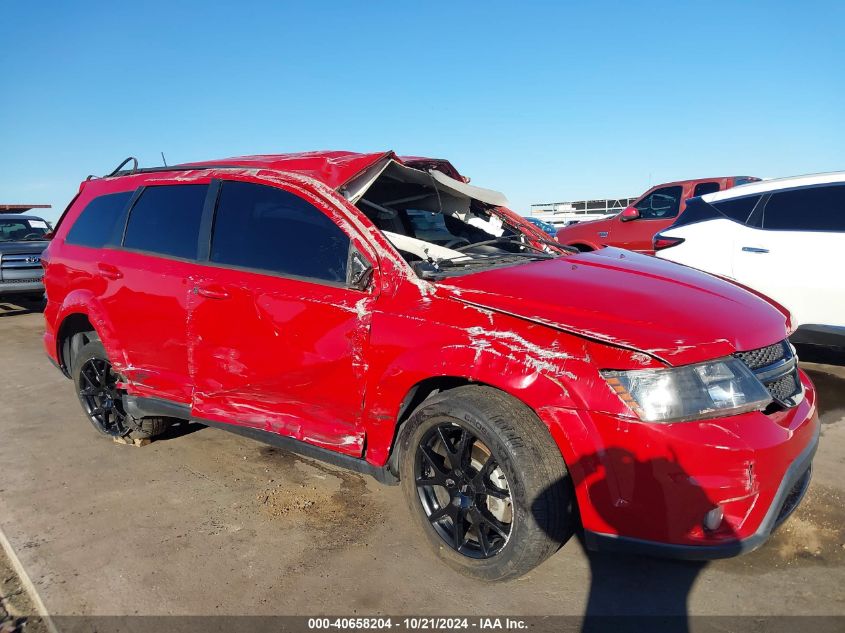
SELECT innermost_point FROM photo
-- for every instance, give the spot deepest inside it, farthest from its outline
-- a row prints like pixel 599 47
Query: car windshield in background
pixel 21 229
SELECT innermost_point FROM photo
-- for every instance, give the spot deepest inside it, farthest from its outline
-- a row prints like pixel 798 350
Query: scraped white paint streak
pixel 361 308
pixel 536 357
pixel 639 357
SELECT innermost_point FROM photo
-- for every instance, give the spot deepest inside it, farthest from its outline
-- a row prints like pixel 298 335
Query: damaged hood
pixel 672 312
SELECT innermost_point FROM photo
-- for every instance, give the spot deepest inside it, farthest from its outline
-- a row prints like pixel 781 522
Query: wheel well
pixel 67 340
pixel 418 394
pixel 584 248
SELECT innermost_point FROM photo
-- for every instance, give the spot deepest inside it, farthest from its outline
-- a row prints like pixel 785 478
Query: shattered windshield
pixel 22 229
pixel 443 227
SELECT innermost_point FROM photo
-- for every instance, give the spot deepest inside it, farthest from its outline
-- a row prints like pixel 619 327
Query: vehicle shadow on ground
pixel 630 592
pixel 636 593
pixel 18 307
pixel 179 428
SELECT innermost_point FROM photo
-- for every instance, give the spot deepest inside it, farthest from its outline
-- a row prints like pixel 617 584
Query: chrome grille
pixel 20 267
pixel 19 261
pixel 777 368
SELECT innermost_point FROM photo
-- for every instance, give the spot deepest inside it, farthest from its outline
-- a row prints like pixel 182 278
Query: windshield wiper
pixel 434 269
pixel 486 259
pixel 517 239
pixel 512 239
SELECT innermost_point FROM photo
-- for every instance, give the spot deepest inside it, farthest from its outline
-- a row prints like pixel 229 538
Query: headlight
pixel 677 394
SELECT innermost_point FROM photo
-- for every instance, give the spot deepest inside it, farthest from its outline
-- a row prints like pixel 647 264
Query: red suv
pixel 380 313
pixel 634 227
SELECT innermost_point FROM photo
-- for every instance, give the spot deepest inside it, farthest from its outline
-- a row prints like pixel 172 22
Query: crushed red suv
pixel 380 313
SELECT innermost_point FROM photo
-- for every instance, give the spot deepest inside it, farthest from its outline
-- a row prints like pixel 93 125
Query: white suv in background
pixel 784 238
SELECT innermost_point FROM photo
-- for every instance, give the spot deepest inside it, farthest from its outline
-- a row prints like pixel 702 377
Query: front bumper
pixel 790 492
pixel 648 487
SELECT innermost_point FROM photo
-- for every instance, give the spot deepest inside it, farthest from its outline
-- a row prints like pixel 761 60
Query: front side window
pixel 268 229
pixel 661 203
pixel 166 220
pixel 97 222
pixel 810 209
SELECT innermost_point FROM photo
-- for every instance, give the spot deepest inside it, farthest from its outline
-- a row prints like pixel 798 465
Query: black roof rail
pixel 119 167
pixel 151 170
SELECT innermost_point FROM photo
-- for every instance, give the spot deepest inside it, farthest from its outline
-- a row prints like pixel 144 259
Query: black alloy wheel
pixel 101 398
pixel 464 493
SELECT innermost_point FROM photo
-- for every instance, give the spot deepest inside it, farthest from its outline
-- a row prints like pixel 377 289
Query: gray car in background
pixel 23 238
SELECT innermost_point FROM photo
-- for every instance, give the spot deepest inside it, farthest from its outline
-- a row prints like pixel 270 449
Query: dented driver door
pixel 278 340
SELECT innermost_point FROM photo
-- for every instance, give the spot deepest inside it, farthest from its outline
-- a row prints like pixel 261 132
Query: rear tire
pixel 492 522
pixel 101 399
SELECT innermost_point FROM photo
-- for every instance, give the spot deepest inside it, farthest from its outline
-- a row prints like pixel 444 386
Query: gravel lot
pixel 206 522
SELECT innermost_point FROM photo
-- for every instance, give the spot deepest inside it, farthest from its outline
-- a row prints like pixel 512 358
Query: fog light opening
pixel 713 519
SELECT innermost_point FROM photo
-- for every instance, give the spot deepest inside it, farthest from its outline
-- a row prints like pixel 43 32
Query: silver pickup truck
pixel 22 240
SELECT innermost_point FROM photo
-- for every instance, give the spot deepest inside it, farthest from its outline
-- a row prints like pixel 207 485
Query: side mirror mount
pixel 630 213
pixel 359 271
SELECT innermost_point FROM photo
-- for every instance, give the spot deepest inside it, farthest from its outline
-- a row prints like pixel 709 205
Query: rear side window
pixel 704 188
pixel 272 230
pixel 810 209
pixel 166 220
pixel 738 209
pixel 660 203
pixel 98 221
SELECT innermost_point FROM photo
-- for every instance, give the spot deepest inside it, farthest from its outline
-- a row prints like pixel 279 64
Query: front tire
pixel 485 482
pixel 96 385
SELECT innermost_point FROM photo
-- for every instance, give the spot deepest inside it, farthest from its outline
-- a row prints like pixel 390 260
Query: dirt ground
pixel 204 522
pixel 16 608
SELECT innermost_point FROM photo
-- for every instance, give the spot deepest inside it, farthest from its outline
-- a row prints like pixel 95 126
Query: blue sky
pixel 544 101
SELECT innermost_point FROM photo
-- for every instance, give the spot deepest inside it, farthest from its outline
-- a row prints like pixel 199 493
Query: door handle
pixel 211 292
pixel 109 272
pixel 754 249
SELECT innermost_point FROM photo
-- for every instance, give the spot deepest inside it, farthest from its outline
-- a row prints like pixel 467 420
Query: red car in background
pixel 652 212
pixel 380 313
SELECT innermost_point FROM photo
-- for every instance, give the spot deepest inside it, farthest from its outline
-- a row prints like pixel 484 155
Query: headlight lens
pixel 677 394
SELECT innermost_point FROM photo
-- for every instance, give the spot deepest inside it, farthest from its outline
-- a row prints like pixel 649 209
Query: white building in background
pixel 565 213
